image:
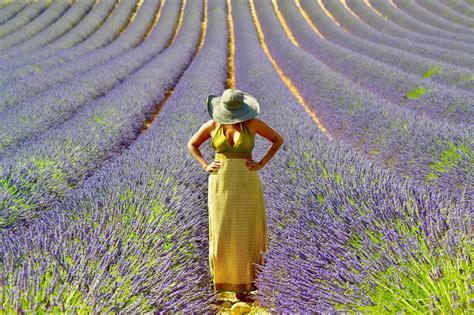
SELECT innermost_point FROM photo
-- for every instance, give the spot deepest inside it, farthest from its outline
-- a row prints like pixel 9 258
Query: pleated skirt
pixel 237 226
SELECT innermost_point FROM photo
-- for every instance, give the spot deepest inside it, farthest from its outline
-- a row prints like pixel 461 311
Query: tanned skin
pixel 232 132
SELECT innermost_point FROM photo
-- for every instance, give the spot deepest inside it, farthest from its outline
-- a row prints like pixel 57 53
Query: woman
pixel 237 215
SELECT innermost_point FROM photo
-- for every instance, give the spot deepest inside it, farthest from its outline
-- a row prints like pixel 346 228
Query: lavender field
pixel 369 201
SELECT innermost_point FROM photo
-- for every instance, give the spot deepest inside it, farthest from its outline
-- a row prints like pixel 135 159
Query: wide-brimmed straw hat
pixel 232 106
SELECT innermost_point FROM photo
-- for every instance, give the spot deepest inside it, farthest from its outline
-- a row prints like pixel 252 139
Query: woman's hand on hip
pixel 252 165
pixel 214 166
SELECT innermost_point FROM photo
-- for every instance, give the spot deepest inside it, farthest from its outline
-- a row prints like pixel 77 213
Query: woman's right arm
pixel 197 139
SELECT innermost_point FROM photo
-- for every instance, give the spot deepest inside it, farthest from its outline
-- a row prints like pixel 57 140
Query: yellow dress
pixel 237 215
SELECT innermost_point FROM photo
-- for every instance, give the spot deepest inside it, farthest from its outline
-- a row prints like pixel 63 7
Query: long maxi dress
pixel 237 215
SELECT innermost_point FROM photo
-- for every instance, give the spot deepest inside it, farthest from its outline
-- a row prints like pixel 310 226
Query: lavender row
pixel 86 26
pixel 62 156
pixel 142 217
pixel 359 29
pixel 421 13
pixel 48 17
pixel 11 10
pixel 413 24
pixel 58 28
pixel 399 87
pixel 381 24
pixel 59 103
pixel 22 89
pixel 23 17
pixel 459 6
pixel 395 137
pixel 109 30
pixel 336 221
pixel 435 70
pixel 441 11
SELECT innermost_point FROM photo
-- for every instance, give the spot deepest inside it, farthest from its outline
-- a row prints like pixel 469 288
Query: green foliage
pixel 430 72
pixel 416 93
pixel 448 158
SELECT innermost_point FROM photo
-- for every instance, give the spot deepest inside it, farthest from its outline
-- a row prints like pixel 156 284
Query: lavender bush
pixel 440 10
pixel 419 12
pixel 343 230
pixel 387 26
pixel 24 88
pixel 110 29
pixel 11 10
pixel 60 158
pixel 390 83
pixel 48 16
pixel 459 6
pixel 449 75
pixel 123 222
pixel 86 26
pixel 68 20
pixel 408 22
pixel 354 26
pixel 23 17
pixel 60 102
pixel 415 146
pixel 147 235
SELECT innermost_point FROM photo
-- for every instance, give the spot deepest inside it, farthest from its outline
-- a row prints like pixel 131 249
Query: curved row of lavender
pixel 440 10
pixel 341 193
pixel 419 12
pixel 11 10
pixel 429 151
pixel 55 30
pixel 86 26
pixel 438 71
pixel 342 228
pixel 355 27
pixel 383 25
pixel 23 17
pixel 459 6
pixel 46 18
pixel 133 238
pixel 61 101
pixel 61 157
pixel 108 32
pixel 22 89
pixel 391 83
pixel 410 23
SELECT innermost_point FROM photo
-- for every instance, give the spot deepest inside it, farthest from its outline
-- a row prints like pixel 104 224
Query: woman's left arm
pixel 269 133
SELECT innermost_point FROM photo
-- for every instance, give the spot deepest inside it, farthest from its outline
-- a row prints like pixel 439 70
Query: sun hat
pixel 232 106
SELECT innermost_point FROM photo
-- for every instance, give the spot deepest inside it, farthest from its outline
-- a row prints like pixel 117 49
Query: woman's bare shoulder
pixel 255 122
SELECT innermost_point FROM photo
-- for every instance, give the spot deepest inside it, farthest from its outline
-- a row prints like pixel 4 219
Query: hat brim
pixel 249 109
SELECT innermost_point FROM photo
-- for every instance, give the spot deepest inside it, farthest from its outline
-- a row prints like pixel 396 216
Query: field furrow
pixel 151 236
pixel 42 21
pixel 23 17
pixel 394 137
pixel 441 11
pixel 62 159
pixel 421 13
pixel 23 89
pixel 459 6
pixel 386 9
pixel 438 71
pixel 350 24
pixel 390 83
pixel 380 23
pixel 117 21
pixel 10 10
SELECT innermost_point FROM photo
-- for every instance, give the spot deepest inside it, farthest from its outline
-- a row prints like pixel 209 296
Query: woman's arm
pixel 197 139
pixel 267 132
